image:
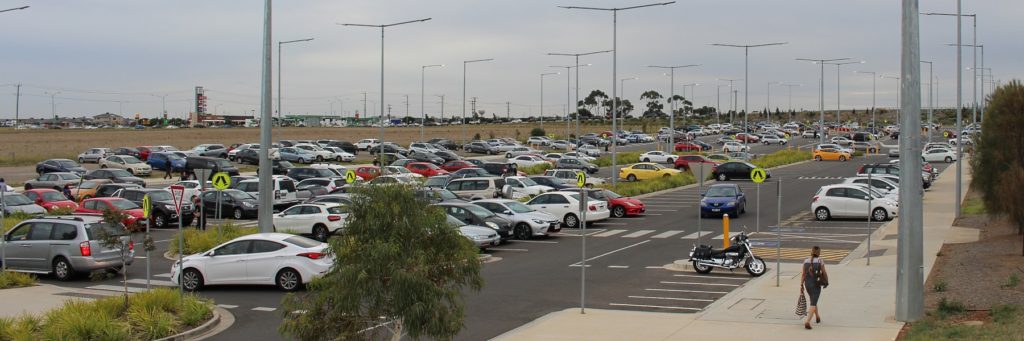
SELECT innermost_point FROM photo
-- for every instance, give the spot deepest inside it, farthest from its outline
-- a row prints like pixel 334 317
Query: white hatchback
pixel 285 260
pixel 658 157
pixel 939 154
pixel 318 220
pixel 566 206
pixel 851 201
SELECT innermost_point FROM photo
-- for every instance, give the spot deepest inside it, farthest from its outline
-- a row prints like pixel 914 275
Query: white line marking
pixel 609 233
pixel 142 281
pixel 690 291
pixel 604 223
pixel 116 288
pixel 667 234
pixel 638 234
pixel 654 267
pixel 647 214
pixel 703 235
pixel 501 249
pixel 662 210
pixel 695 283
pixel 652 306
pixel 577 265
pixel 618 266
pixel 140 257
pixel 227 306
pixel 164 275
pixel 264 309
pixel 706 276
pixel 673 298
pixel 536 241
pixel 613 251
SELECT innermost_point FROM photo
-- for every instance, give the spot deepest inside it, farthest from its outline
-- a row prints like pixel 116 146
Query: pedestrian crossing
pixel 821 178
pixel 799 254
pixel 137 285
pixel 653 234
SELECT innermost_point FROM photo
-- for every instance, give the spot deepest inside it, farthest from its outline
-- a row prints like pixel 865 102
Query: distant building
pixel 109 119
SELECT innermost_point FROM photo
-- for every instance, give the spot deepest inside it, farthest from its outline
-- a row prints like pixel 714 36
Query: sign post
pixel 581 182
pixel 757 176
pixel 870 213
pixel 201 175
pixel 178 194
pixel 700 214
pixel 778 235
pixel 221 181
pixel 146 207
pixel 350 177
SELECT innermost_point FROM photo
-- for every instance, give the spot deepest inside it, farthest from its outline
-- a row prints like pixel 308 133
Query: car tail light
pixel 85 248
pixel 592 208
pixel 815 199
pixel 333 217
pixel 312 255
pixel 131 245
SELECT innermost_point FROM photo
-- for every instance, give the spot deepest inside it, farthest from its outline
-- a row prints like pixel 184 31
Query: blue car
pixel 723 199
pixel 160 160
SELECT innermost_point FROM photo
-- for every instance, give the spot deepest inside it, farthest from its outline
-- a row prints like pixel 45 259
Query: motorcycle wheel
pixel 701 269
pixel 756 267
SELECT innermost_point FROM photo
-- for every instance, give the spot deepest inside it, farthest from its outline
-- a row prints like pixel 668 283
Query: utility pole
pixel 508 111
pixel 472 108
pixel 442 107
pixel 910 269
pixel 17 105
pixel 364 104
pixel 406 106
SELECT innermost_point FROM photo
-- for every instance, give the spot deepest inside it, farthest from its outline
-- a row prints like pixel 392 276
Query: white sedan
pixel 523 186
pixel 524 161
pixel 589 150
pixel 285 260
pixel 658 157
pixel 939 154
pixel 773 139
pixel 581 156
pixel 565 206
pixel 842 141
pixel 340 155
pixel 401 172
pixel 526 221
pixel 318 220
pixel 730 147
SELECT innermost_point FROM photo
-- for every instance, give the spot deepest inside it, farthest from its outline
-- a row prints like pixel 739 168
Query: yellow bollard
pixel 725 230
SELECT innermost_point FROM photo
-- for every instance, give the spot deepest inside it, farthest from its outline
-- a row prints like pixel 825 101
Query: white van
pixel 284 190
pixel 366 144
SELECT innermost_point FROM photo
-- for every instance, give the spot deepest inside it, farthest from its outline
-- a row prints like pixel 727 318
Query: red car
pixel 134 220
pixel 744 137
pixel 684 161
pixel 144 152
pixel 687 147
pixel 425 169
pixel 619 206
pixel 50 199
pixel 368 172
pixel 455 165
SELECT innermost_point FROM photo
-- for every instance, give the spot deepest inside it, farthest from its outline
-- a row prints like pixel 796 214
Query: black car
pixel 162 210
pixel 115 175
pixel 447 155
pixel 389 148
pixel 475 215
pixel 495 168
pixel 126 151
pixel 480 147
pixel 59 165
pixel 470 173
pixel 288 143
pixel 300 174
pixel 438 195
pixel 108 190
pixel 426 157
pixel 551 181
pixel 216 165
pixel 735 170
pixel 446 143
pixel 388 158
pixel 233 203
pixel 348 147
pixel 239 178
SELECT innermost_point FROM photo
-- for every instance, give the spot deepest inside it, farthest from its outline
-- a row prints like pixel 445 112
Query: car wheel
pixel 631 177
pixel 618 211
pixel 822 214
pixel 647 159
pixel 722 177
pixel 237 214
pixel 81 160
pixel 842 158
pixel 670 160
pixel 879 214
pixel 191 279
pixel 949 160
pixel 319 158
pixel 159 221
pixel 62 269
pixel 130 171
pixel 508 155
pixel 571 221
pixel 523 231
pixel 28 186
pixel 338 159
pixel 288 279
pixel 320 232
pixel 817 158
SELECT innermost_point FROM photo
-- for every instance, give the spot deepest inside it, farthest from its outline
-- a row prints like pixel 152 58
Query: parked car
pixel 285 260
pixel 115 175
pixel 284 189
pixel 472 172
pixel 939 154
pixel 572 163
pixel 93 155
pixel 299 155
pixel 50 199
pixel 340 155
pixel 59 165
pixel 129 163
pixel 325 184
pixel 851 201
pixel 19 203
pixel 774 139
pixel 455 165
pixel 160 160
pixel 127 151
pixel 162 211
pixel 830 154
pixel 211 150
pixel 233 203
pixel 346 146
pixel 55 180
pixel 321 220
pixel 366 144
pixel 729 147
pixel 685 161
pixel 526 161
pixel 477 188
pixel 472 214
pixel 300 174
pixel 480 147
pixel 522 186
pixel 735 170
pixel 423 156
pixel 893 169
pixel 645 171
pixel 526 221
pixel 64 246
pixel 658 156
pixel 133 219
pixel 619 206
pixel 565 206
pixel 589 150
pixel 425 169
pixel 389 147
pixel 569 176
pixel 551 181
pixel 368 172
pixel 721 199
pixel 687 147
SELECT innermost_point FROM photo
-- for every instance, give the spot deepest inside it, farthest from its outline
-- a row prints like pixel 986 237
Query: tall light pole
pixel 14 9
pixel 279 44
pixel 442 106
pixel 790 86
pixel 974 45
pixel 910 265
pixel 693 87
pixel 615 73
pixel 839 86
pixel 542 96
pixel 931 106
pixel 718 111
pixel 981 105
pixel 382 27
pixel 672 95
pixel 266 195
pixel 577 56
pixel 464 63
pixel 732 104
pixel 975 68
pixel 746 82
pixel 163 102
pixel 874 77
pixel 821 93
pixel 423 112
pixel 568 98
pixel 897 94
pixel 622 119
pixel 53 104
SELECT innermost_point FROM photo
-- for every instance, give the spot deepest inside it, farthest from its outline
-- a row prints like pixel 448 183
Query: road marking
pixel 618 266
pixel 654 267
pixel 227 306
pixel 537 241
pixel 263 309
pixel 652 306
pixel 164 275
pixel 638 234
pixel 604 223
pixel 648 214
pixel 502 249
pixel 142 281
pixel 613 251
pixel 140 257
pixel 163 240
pixel 672 298
pixel 577 265
pixel 117 288
pixel 609 233
pixel 702 234
pixel 662 210
pixel 695 283
pixel 690 291
pixel 706 276
pixel 650 202
pixel 667 234
pixel 791 253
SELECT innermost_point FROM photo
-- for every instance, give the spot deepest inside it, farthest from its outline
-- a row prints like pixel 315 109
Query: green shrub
pixel 635 188
pixel 1012 281
pixel 624 159
pixel 782 157
pixel 949 307
pixel 151 322
pixel 973 206
pixel 11 279
pixel 939 286
pixel 535 170
pixel 62 211
pixel 538 132
pixel 12 220
pixel 1003 313
pixel 197 241
pixel 195 311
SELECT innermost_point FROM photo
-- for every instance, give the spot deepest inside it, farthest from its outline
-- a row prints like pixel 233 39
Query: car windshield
pixel 479 211
pixel 239 195
pixel 68 164
pixel 119 173
pixel 528 182
pixel 285 164
pixel 160 196
pixel 302 242
pixel 721 192
pixel 656 166
pixel 69 176
pixel 436 181
pixel 52 196
pixel 130 160
pixel 124 204
pixel 322 172
pixel 518 207
pixel 173 157
pixel 611 195
pixel 16 200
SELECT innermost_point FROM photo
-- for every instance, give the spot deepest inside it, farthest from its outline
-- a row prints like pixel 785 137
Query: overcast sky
pixel 116 55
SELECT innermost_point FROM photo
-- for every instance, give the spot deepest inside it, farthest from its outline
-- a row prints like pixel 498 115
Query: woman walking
pixel 813 279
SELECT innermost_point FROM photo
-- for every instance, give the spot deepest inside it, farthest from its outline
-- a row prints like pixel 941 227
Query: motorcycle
pixel 739 254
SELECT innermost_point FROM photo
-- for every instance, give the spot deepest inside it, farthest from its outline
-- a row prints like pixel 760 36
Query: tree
pixel 684 106
pixel 998 169
pixel 654 108
pixel 595 98
pixel 536 132
pixel 625 107
pixel 398 263
pixel 113 235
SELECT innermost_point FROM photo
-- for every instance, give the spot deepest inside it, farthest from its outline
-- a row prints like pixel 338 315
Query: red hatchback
pixel 749 138
pixel 455 165
pixel 50 199
pixel 368 172
pixel 687 147
pixel 684 161
pixel 134 220
pixel 425 169
pixel 619 206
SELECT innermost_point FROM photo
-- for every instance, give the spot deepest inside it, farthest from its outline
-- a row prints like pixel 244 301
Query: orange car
pixel 88 189
pixel 830 154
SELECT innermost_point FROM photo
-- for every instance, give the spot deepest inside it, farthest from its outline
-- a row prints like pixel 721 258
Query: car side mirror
pixel 211 253
pixel 507 212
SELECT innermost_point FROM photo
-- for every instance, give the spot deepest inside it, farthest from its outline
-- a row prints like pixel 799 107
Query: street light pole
pixel 266 196
pixel 790 86
pixel 672 95
pixel 568 98
pixel 839 87
pixel 931 108
pixel 746 82
pixel 874 77
pixel 821 93
pixel 718 107
pixel 423 112
pixel 53 104
pixel 464 63
pixel 897 94
pixel 577 56
pixel 279 44
pixel 382 27
pixel 732 104
pixel 542 96
pixel 974 49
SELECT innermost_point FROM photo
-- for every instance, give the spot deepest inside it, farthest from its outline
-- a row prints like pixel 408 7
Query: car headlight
pixel 479 237
pixel 703 202
pixel 248 204
pixel 169 207
pixel 538 221
pixel 492 225
pixel 731 204
pixel 630 204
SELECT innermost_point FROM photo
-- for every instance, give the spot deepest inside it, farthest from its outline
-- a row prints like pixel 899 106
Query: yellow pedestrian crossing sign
pixel 581 179
pixel 145 206
pixel 758 175
pixel 221 181
pixel 350 176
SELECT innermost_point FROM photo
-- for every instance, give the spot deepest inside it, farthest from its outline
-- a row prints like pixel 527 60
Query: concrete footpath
pixel 858 305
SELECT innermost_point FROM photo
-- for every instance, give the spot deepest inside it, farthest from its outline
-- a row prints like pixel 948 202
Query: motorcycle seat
pixel 733 248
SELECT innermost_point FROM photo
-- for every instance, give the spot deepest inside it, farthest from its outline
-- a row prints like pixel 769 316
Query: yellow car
pixel 645 171
pixel 830 154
